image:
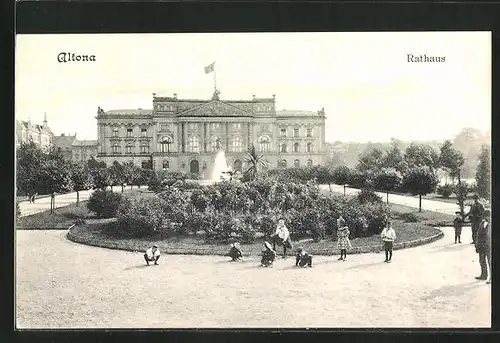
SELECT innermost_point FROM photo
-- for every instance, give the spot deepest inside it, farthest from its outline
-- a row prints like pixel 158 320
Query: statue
pixel 215 96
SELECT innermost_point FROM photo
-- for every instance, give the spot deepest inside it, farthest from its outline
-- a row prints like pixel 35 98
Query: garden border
pixel 222 250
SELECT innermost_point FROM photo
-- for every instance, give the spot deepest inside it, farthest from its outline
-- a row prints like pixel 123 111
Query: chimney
pixel 62 134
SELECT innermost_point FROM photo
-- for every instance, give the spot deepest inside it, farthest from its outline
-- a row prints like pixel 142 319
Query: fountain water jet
pixel 220 169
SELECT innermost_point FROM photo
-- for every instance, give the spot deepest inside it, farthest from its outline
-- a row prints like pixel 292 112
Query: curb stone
pixel 222 251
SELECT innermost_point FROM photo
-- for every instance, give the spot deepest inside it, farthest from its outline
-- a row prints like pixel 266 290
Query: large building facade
pixel 184 134
pixel 41 135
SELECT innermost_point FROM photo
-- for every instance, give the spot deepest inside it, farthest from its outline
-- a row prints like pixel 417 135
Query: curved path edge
pixel 222 250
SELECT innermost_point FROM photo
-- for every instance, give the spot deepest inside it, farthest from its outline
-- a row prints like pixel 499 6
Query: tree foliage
pixel 451 159
pixel 483 173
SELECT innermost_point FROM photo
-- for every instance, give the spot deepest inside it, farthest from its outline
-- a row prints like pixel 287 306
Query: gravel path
pixel 61 284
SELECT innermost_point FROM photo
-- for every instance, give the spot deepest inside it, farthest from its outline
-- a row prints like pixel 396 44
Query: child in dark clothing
pixel 457 224
pixel 303 258
pixel 235 252
pixel 268 255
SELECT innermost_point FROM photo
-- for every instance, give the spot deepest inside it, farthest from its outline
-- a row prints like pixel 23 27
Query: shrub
pixel 76 212
pixel 409 218
pixel 368 196
pixel 140 216
pixel 376 215
pixel 445 190
pixel 104 203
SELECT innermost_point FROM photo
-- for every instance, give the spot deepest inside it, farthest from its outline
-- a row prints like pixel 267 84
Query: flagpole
pixel 215 81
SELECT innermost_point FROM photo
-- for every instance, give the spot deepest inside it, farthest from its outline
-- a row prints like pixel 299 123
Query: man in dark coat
pixel 483 247
pixel 475 216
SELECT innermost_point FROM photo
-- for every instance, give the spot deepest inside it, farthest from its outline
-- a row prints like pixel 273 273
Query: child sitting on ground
pixel 268 255
pixel 235 252
pixel 303 258
pixel 152 254
pixel 457 224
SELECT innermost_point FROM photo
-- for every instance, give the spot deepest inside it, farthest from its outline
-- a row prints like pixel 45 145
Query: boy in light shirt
pixel 152 254
pixel 388 235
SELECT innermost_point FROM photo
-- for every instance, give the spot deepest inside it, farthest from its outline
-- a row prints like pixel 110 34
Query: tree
pixel 462 190
pixel 419 155
pixel 101 178
pixel 29 161
pixel 371 160
pixel 469 141
pixel 324 174
pixel 81 178
pixel 341 176
pixel 55 176
pixel 255 161
pixel 387 179
pixel 420 180
pixel 483 173
pixel 451 160
pixel 117 173
pixel 394 158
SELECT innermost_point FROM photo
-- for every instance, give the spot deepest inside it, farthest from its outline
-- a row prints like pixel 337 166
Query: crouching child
pixel 303 258
pixel 268 255
pixel 235 252
pixel 152 254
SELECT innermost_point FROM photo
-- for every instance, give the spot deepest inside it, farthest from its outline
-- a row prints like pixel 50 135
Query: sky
pixel 369 90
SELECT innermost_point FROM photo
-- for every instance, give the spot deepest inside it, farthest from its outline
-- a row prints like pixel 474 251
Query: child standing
pixel 388 235
pixel 343 242
pixel 235 252
pixel 457 224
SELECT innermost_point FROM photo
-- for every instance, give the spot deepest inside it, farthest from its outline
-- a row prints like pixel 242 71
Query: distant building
pixel 27 132
pixel 183 134
pixel 64 145
pixel 84 150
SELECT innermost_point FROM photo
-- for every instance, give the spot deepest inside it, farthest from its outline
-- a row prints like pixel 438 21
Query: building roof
pixel 295 113
pixel 129 112
pixel 90 143
pixel 34 127
pixel 63 141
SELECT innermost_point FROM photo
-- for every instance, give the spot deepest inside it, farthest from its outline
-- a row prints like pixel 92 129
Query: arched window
pixel 194 144
pixel 264 144
pixel 309 147
pixel 236 144
pixel 166 164
pixel 116 148
pixel 296 163
pixel 283 164
pixel 165 144
pixel 296 147
pixel 309 163
pixel 283 147
pixel 129 148
pixel 215 139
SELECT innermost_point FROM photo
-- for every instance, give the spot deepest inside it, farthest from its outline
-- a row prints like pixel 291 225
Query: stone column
pixel 183 137
pixel 204 136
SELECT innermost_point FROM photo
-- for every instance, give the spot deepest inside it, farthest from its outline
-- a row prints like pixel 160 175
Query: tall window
pixel 309 163
pixel 144 132
pixel 129 132
pixel 214 143
pixel 194 144
pixel 309 147
pixel 144 149
pixel 264 144
pixel 129 149
pixel 166 164
pixel 283 164
pixel 283 147
pixel 237 126
pixel 296 147
pixel 296 163
pixel 283 133
pixel 215 126
pixel 116 148
pixel 165 144
pixel 296 132
pixel 115 132
pixel 236 144
pixel 309 132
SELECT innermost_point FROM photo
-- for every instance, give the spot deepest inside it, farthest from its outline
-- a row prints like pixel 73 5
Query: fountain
pixel 220 170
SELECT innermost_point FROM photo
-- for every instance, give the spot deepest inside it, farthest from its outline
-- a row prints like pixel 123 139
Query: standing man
pixel 483 247
pixel 475 216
